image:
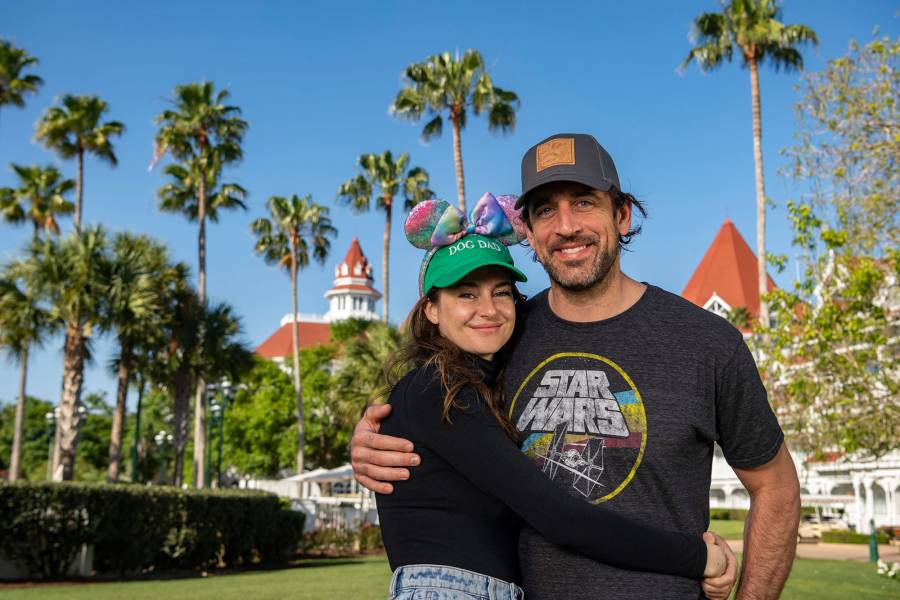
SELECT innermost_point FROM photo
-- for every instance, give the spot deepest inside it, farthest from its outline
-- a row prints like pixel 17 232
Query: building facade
pixel 863 492
pixel 352 295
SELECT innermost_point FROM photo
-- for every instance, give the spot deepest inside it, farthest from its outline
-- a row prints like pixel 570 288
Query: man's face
pixel 575 233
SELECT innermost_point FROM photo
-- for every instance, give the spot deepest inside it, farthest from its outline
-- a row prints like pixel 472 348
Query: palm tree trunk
pixel 385 256
pixel 457 159
pixel 115 437
pixel 199 403
pixel 15 462
pixel 298 383
pixel 760 193
pixel 79 188
pixel 73 378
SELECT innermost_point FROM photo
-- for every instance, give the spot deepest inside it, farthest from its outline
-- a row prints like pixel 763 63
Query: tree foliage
pixel 14 83
pixel 74 128
pixel 454 85
pixel 36 439
pixel 39 199
pixel 848 145
pixel 753 27
pixel 260 425
pixel 831 363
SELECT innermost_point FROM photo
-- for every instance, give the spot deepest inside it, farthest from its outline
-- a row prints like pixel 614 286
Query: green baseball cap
pixel 447 265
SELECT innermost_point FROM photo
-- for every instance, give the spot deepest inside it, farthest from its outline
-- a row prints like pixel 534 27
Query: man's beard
pixel 578 282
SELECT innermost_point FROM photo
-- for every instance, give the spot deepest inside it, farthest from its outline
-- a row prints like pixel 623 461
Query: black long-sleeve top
pixel 460 507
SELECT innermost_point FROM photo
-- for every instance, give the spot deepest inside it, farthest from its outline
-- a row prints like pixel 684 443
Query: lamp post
pixel 218 395
pixel 162 438
pixel 215 411
pixel 51 416
pixel 211 390
pixel 137 430
pixel 227 397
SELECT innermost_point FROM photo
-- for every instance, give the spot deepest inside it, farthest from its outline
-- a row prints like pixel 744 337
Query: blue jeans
pixel 439 582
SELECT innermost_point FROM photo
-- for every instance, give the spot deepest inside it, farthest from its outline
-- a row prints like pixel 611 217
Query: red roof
pixel 354 286
pixel 728 269
pixel 354 255
pixel 280 343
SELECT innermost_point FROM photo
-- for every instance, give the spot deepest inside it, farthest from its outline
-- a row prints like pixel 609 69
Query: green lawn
pixel 730 530
pixel 368 578
pixel 826 579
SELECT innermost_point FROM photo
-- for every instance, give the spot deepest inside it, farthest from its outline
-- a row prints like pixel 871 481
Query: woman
pixel 451 530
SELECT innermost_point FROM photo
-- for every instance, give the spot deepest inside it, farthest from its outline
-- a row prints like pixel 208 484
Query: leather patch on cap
pixel 560 151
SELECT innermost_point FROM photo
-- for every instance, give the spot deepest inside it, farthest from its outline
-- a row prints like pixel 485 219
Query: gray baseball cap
pixel 574 157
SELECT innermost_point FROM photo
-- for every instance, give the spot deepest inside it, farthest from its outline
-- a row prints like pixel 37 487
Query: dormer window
pixel 717 305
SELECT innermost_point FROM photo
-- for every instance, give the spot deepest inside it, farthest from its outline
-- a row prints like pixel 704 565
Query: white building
pixel 352 295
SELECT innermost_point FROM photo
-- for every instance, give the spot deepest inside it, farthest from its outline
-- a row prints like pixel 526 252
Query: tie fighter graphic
pixel 586 466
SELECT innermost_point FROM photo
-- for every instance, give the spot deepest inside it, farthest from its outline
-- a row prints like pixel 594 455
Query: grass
pixel 368 578
pixel 730 530
pixel 826 579
pixel 365 579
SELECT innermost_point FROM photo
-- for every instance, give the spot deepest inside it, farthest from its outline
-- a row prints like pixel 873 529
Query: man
pixel 619 390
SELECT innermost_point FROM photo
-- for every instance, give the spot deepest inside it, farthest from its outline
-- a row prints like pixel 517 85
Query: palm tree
pixel 754 29
pixel 171 366
pixel 137 267
pixel 454 84
pixel 180 194
pixel 204 134
pixel 24 323
pixel 40 198
pixel 14 84
pixel 69 274
pixel 298 230
pixel 360 380
pixel 389 177
pixel 74 128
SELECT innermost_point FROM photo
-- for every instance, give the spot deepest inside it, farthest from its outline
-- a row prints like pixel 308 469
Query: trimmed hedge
pixel 728 514
pixel 333 542
pixel 851 537
pixel 135 528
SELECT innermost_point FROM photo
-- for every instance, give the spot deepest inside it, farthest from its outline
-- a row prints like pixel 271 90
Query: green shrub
pixel 370 538
pixel 338 542
pixel 728 514
pixel 44 526
pixel 136 528
pixel 851 537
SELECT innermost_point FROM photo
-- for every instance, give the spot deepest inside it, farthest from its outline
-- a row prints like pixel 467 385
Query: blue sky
pixel 315 81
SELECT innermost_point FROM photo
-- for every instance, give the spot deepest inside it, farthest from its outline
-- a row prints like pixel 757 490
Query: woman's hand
pixel 721 568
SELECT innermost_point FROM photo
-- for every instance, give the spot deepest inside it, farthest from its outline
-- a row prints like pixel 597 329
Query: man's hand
pixel 770 531
pixel 719 588
pixel 377 458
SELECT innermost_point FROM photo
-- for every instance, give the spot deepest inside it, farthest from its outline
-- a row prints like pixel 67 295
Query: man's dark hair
pixel 619 199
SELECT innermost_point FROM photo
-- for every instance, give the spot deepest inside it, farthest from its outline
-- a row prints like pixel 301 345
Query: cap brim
pixel 597 183
pixel 454 276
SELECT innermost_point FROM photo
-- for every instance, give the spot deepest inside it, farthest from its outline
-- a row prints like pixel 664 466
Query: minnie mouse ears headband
pixel 437 223
pixel 440 228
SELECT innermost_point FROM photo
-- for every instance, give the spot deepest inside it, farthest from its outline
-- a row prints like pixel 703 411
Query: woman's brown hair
pixel 424 345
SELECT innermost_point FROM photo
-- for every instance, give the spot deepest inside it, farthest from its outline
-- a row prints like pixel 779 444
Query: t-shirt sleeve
pixel 747 428
pixel 476 446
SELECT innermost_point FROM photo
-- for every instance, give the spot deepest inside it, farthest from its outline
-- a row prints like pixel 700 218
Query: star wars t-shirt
pixel 625 412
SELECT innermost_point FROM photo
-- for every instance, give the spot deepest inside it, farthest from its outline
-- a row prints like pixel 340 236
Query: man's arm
pixel 770 531
pixel 378 458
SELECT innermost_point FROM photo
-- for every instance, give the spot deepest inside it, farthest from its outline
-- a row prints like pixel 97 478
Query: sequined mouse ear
pixel 514 215
pixel 422 221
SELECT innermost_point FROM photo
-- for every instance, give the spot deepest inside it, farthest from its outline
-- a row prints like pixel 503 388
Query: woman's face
pixel 477 314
